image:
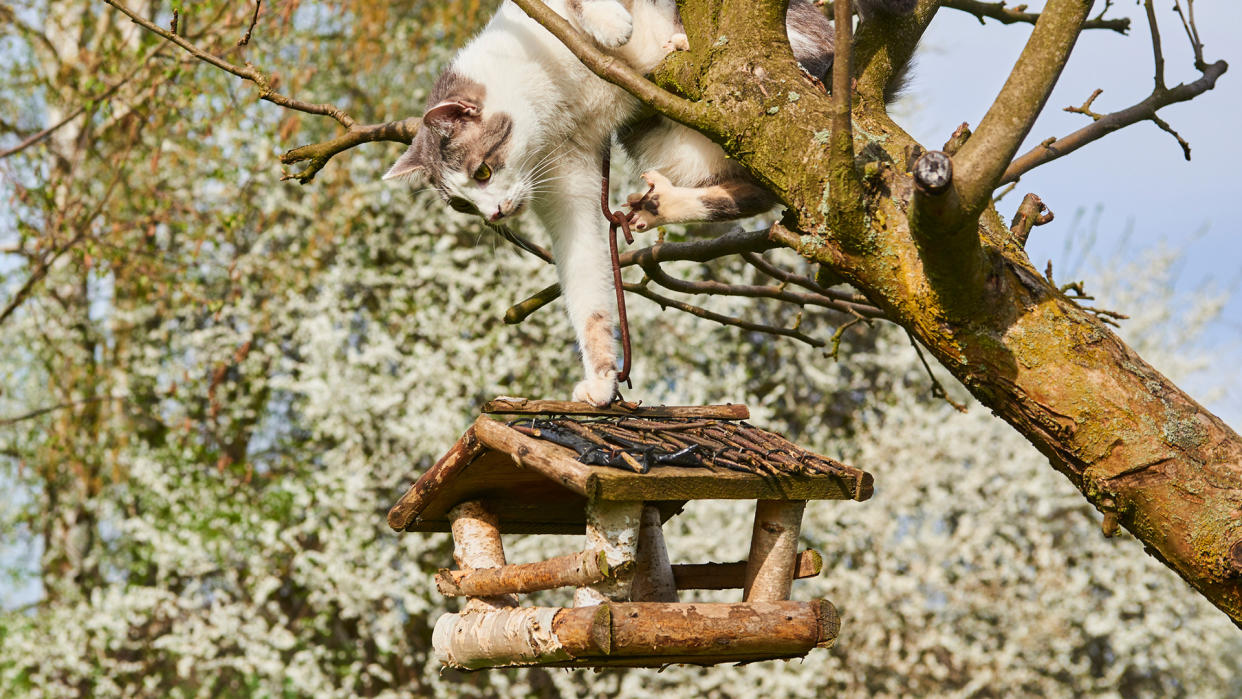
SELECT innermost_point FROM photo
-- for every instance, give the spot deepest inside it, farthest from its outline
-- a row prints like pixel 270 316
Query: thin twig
pixel 1006 15
pixel 253 20
pixel 666 302
pixel 937 390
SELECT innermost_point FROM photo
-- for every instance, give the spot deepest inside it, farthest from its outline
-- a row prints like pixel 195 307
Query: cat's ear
pixel 448 116
pixel 410 163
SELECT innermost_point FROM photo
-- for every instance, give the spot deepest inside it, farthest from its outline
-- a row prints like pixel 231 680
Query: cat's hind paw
pixel 650 209
pixel 677 42
pixel 599 391
pixel 607 22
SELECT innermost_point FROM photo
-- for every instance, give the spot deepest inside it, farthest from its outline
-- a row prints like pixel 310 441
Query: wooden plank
pixel 416 498
pixel 732 576
pixel 571 570
pixel 677 483
pixel 523 406
pixel 555 462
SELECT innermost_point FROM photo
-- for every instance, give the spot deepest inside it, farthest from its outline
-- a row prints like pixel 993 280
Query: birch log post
pixel 476 544
pixel 611 527
pixel 773 550
pixel 653 574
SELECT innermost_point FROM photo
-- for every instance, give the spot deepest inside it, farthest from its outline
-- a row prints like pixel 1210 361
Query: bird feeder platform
pixel 616 475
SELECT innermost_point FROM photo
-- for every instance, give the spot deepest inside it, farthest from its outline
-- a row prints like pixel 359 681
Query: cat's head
pixel 466 152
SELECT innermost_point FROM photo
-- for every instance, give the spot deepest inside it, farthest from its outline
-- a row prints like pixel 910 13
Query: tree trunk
pixel 945 268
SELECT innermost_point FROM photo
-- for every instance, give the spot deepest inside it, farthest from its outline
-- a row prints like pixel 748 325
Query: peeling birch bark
pixel 476 544
pixel 773 550
pixel 653 574
pixel 648 634
pixel 612 527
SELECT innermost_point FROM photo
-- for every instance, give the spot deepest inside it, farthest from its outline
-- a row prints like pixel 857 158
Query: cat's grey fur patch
pixel 485 139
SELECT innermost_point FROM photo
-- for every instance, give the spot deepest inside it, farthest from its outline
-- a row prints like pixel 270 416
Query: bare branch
pixel 666 302
pixel 695 250
pixel 1013 15
pixel 316 155
pixel 982 160
pixel 1104 124
pixel 248 72
pixel 937 389
pixel 1031 212
pixel 659 276
pixel 610 68
pixel 1192 31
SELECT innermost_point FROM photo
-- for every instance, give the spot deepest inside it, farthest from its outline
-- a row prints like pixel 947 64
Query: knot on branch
pixel 1031 212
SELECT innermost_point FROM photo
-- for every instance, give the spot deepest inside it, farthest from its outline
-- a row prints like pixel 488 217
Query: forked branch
pixel 1160 97
pixel 982 161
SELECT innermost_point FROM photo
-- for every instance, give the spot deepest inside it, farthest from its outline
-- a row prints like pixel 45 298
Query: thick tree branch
pixel 1013 15
pixel 982 161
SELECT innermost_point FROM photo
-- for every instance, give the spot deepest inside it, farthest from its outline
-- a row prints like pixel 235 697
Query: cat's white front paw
pixel 598 391
pixel 607 22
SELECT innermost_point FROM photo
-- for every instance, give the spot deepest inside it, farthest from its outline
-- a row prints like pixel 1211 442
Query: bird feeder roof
pixel 537 468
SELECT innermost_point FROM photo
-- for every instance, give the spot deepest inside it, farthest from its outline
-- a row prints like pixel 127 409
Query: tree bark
pixel 612 527
pixel 773 550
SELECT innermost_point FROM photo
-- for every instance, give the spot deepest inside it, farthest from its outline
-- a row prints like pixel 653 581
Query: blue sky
pixel 1146 192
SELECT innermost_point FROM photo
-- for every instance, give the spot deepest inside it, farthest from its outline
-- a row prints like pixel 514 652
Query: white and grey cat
pixel 516 121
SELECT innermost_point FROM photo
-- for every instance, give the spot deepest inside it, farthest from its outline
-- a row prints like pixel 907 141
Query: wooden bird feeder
pixel 616 475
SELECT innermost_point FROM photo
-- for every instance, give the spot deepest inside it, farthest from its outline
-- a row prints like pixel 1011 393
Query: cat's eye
pixel 461 205
pixel 483 174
